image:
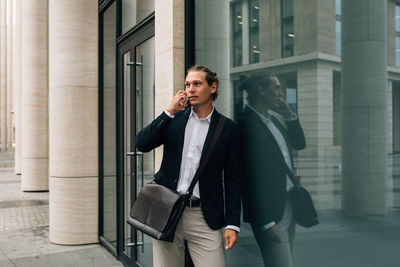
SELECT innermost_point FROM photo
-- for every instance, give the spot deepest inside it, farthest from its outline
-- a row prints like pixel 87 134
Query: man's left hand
pixel 231 238
pixel 283 108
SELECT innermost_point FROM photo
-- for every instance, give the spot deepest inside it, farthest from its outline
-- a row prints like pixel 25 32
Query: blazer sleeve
pixel 256 177
pixel 232 180
pixel 152 136
pixel 296 134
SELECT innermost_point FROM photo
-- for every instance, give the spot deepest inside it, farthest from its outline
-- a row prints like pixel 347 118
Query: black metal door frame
pixel 128 42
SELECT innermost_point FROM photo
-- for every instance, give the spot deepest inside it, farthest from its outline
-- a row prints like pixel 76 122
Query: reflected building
pixel 300 41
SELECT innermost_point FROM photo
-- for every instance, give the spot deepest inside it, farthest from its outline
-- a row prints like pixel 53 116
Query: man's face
pixel 273 93
pixel 198 90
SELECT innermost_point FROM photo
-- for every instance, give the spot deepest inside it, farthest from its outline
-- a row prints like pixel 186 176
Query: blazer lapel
pixel 266 130
pixel 181 131
pixel 211 131
pixel 283 131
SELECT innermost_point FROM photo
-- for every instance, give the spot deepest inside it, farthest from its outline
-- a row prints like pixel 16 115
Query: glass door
pixel 136 57
pixel 145 103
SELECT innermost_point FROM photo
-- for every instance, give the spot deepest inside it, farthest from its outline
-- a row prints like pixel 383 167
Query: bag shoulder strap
pixel 291 176
pixel 204 160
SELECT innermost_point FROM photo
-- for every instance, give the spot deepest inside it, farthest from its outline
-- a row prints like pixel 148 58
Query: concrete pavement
pixel 345 240
pixel 24 223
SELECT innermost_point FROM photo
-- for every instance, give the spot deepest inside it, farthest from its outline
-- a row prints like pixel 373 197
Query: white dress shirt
pixel 195 135
pixel 283 147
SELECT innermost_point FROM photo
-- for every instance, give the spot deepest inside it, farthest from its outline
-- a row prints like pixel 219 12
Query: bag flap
pixel 154 204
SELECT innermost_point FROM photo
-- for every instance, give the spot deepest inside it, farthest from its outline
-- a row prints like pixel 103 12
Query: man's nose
pixel 189 88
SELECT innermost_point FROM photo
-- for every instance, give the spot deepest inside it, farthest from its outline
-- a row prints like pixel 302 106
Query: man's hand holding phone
pixel 179 102
pixel 283 108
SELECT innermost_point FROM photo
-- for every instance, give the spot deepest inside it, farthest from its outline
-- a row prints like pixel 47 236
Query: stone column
pixel 364 106
pixel 389 129
pixel 3 74
pixel 17 85
pixel 34 90
pixel 9 75
pixel 169 54
pixel 315 104
pixel 73 105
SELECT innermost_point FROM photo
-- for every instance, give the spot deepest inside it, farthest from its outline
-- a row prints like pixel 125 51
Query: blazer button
pixel 176 180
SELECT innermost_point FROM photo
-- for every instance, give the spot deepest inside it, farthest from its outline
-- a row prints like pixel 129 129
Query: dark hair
pixel 252 84
pixel 211 76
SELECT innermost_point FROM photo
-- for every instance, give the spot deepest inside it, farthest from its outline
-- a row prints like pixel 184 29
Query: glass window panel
pixel 287 8
pixel 291 98
pixel 287 28
pixel 338 7
pixel 315 94
pixel 287 36
pixel 338 38
pixel 134 11
pixel 145 114
pixel 109 126
pixel 254 50
pixel 398 51
pixel 237 25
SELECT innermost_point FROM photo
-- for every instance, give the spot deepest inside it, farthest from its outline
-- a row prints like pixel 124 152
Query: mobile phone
pixel 186 100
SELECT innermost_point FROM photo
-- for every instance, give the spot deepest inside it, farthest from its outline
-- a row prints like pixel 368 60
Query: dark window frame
pixel 146 24
pixel 285 22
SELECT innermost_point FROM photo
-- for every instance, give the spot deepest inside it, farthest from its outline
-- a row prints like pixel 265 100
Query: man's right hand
pixel 273 234
pixel 178 103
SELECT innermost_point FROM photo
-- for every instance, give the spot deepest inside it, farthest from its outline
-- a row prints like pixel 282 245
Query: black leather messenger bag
pixel 304 212
pixel 157 209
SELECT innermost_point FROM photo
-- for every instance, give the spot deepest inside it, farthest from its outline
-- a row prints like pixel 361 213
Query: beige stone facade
pixel 3 75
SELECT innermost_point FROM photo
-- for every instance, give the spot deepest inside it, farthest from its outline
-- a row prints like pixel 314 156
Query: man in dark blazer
pixel 185 133
pixel 267 155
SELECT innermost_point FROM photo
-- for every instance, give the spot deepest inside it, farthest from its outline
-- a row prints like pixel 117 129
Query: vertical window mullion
pixel 287 28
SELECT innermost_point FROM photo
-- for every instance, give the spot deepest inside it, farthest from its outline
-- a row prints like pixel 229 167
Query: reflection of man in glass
pixel 267 153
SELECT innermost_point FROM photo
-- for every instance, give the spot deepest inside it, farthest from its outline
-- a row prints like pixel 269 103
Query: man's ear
pixel 213 88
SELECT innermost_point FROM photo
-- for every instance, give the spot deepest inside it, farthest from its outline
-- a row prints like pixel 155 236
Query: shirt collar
pixel 194 115
pixel 263 118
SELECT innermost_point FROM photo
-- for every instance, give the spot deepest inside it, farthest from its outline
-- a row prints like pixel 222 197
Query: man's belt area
pixel 193 203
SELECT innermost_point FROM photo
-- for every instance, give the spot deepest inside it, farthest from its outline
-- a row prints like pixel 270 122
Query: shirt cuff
pixel 172 116
pixel 267 226
pixel 232 227
pixel 293 118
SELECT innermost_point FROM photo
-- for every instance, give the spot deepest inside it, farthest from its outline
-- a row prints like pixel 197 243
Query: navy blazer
pixel 264 167
pixel 222 172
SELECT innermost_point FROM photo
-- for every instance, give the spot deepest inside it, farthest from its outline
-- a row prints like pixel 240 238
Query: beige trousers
pixel 278 254
pixel 205 245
